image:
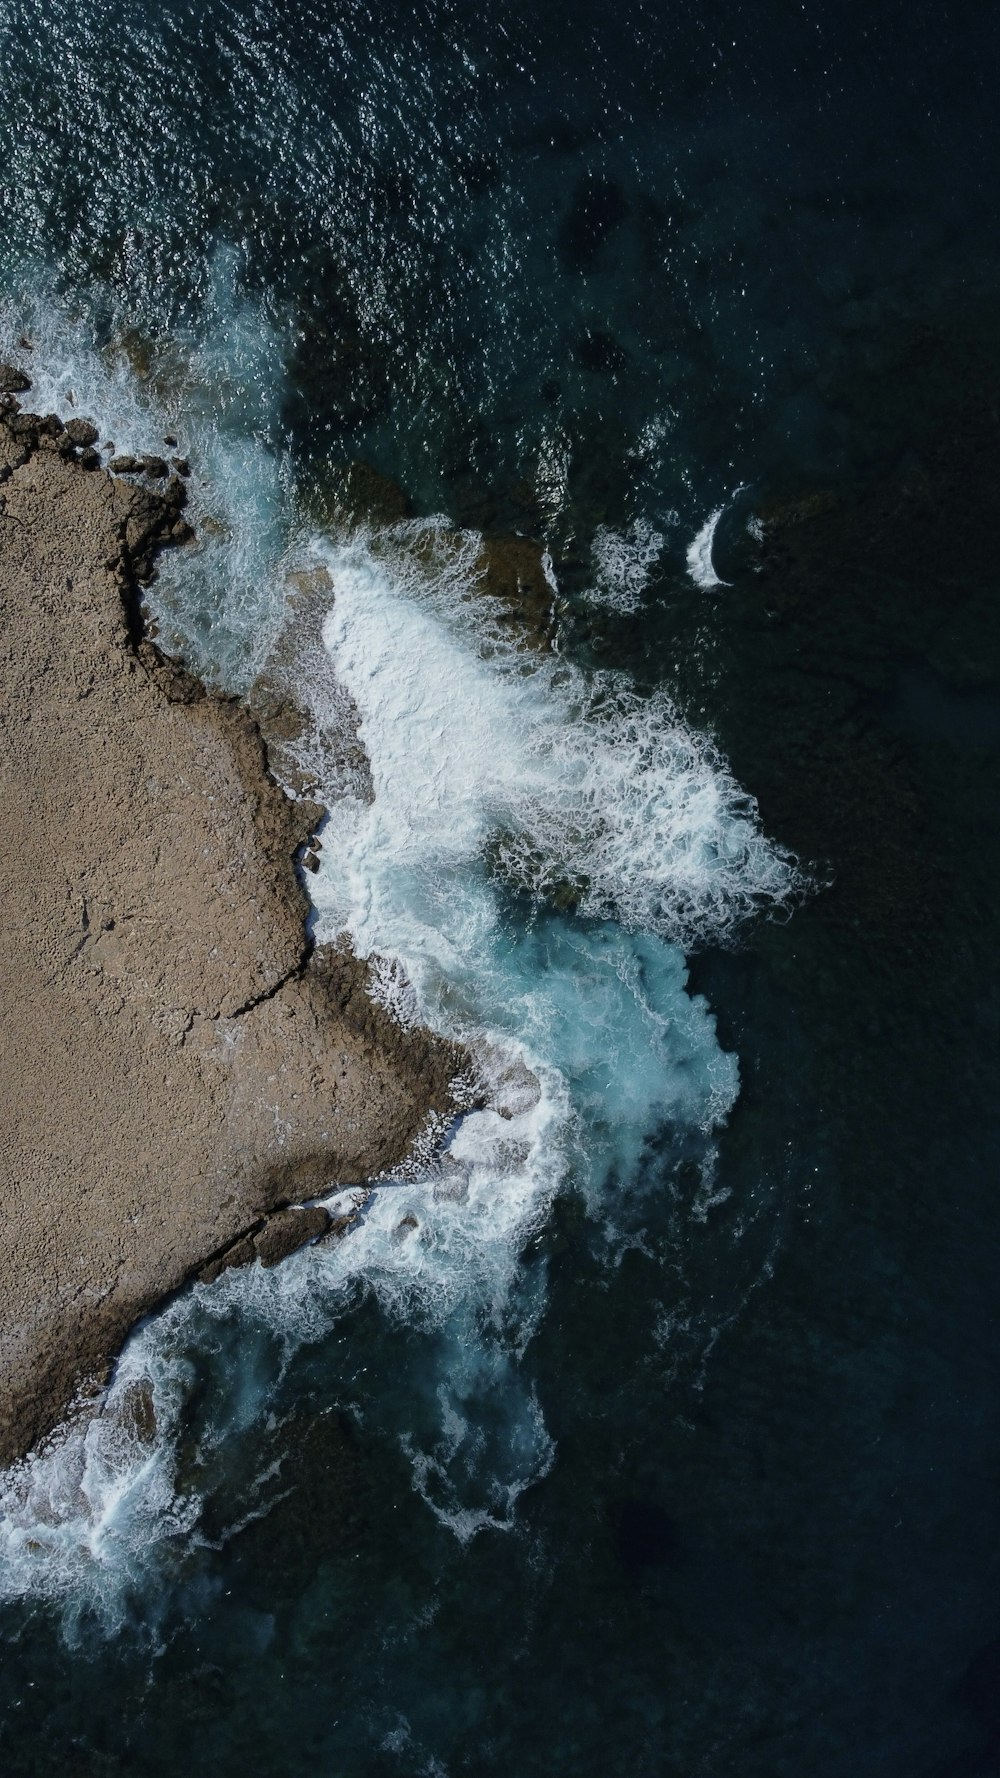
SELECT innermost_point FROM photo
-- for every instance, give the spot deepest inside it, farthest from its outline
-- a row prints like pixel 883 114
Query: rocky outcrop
pixel 179 1067
pixel 513 573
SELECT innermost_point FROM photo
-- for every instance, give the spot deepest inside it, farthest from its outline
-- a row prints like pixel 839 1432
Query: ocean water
pixel 647 1421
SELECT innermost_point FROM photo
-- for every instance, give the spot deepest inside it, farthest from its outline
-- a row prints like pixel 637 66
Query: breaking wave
pixel 536 849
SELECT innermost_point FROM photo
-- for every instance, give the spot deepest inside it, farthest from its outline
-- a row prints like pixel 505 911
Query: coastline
pixel 180 1066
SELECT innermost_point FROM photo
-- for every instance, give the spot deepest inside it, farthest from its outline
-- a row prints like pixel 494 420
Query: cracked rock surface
pixel 175 1060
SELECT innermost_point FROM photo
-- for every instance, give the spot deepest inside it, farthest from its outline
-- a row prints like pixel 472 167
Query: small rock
pixel 181 465
pixel 24 426
pixel 239 1254
pixel 82 432
pixel 288 1230
pixel 310 861
pixel 154 466
pixel 125 465
pixel 12 380
pixel 90 459
pixel 169 439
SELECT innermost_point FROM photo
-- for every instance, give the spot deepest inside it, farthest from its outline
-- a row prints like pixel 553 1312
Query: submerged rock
pixel 138 1411
pixel 353 494
pixel 513 571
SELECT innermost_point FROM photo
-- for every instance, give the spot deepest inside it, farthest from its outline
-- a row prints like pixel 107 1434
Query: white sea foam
pixel 623 562
pixel 574 780
pixel 77 1516
pixel 699 555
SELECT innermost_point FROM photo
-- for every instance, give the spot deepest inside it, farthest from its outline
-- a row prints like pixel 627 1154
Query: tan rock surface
pixel 173 1061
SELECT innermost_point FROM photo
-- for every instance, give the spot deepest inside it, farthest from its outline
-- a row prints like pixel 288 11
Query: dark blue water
pixel 705 1479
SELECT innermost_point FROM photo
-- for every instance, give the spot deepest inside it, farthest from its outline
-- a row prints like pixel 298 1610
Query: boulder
pixel 81 432
pixel 287 1230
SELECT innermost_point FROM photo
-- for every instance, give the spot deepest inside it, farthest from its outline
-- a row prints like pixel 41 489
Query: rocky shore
pixel 179 1067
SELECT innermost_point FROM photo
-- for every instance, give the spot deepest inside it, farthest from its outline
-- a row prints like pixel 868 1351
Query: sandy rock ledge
pixel 177 1064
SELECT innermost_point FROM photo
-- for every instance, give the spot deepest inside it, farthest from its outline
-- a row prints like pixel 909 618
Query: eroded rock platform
pixel 176 1062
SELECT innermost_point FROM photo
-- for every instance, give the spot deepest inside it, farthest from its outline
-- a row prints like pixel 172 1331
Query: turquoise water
pixel 648 1423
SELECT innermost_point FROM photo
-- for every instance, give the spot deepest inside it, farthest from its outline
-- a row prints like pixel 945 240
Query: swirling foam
pixel 623 562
